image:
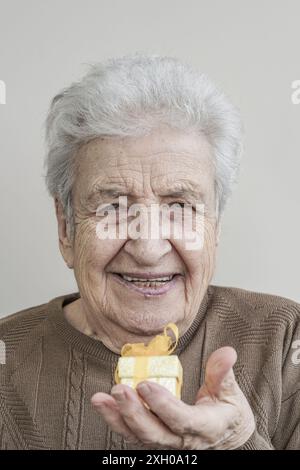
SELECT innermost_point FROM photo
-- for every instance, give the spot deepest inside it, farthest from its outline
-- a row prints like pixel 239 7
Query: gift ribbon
pixel 160 345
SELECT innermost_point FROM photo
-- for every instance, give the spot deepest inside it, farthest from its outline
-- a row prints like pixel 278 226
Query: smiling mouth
pixel 148 284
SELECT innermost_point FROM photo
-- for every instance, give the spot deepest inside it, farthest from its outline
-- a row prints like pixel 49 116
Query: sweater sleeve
pixel 287 432
pixel 287 435
pixel 7 438
pixel 256 442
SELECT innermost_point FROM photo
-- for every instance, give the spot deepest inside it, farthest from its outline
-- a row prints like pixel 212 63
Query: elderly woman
pixel 147 130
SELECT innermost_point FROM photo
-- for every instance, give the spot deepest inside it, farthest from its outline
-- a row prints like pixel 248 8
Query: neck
pixel 113 336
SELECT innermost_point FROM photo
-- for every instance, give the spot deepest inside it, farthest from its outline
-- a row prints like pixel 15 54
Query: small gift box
pixel 151 362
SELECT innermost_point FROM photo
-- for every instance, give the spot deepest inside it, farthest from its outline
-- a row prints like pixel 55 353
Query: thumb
pixel 219 376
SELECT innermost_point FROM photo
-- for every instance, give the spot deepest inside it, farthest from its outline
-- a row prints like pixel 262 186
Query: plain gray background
pixel 249 48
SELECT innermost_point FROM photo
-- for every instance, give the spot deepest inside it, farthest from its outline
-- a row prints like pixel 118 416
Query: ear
pixel 65 244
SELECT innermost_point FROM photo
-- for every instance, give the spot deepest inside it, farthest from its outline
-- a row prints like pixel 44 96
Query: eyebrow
pixel 107 192
pixel 182 192
pixel 177 191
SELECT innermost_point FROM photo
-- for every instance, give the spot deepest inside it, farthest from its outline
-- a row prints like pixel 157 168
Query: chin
pixel 148 324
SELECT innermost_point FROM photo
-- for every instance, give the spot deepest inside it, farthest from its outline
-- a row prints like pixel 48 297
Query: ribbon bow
pixel 160 345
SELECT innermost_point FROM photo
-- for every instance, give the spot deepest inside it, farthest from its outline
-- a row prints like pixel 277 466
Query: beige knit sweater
pixel 52 370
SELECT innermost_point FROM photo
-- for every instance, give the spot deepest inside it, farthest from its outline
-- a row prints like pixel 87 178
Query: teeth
pixel 158 279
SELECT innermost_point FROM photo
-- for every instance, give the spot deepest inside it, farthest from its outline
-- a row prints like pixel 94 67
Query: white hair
pixel 131 96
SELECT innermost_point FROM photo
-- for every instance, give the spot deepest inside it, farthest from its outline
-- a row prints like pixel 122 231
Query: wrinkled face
pixel 139 285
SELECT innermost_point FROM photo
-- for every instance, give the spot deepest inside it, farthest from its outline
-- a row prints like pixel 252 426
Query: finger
pixel 173 412
pixel 199 425
pixel 219 376
pixel 141 421
pixel 108 408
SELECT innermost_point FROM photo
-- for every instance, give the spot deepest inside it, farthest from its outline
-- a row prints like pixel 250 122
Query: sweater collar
pixel 95 347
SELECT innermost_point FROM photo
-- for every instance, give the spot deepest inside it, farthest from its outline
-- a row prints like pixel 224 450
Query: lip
pixel 149 275
pixel 148 291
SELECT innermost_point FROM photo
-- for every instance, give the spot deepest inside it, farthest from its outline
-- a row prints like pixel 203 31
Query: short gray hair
pixel 131 96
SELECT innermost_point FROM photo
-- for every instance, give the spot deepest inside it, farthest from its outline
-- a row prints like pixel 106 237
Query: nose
pixel 147 252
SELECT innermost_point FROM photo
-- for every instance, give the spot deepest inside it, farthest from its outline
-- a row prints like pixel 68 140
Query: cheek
pixel 198 261
pixel 92 255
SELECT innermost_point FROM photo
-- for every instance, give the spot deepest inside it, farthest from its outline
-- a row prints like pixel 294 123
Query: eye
pixel 183 205
pixel 115 205
pixel 111 206
pixel 104 209
pixel 177 203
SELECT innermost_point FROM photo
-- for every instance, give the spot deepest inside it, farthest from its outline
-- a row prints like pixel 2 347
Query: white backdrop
pixel 250 48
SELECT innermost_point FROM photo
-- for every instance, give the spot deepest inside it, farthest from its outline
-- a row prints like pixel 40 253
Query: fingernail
pixel 118 395
pixel 143 388
pixel 100 404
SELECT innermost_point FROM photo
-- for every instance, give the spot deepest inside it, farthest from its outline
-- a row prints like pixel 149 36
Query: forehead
pixel 163 158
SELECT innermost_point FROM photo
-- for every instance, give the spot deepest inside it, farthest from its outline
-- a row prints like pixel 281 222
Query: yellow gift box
pixel 152 362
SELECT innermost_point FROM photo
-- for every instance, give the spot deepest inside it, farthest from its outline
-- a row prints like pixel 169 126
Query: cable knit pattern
pixel 74 400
